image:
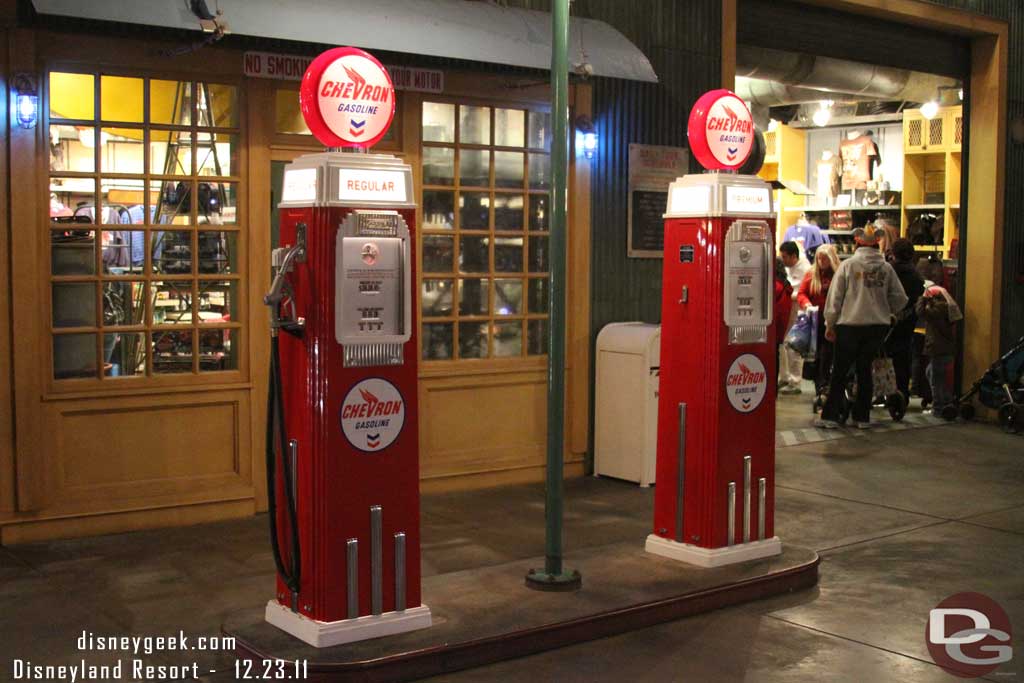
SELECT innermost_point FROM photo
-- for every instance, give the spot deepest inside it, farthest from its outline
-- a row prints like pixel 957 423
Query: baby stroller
pixel 1000 388
pixel 885 393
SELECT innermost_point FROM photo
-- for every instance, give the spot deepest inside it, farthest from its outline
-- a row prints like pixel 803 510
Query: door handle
pixel 685 297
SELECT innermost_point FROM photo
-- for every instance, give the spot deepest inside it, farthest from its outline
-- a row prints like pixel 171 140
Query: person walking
pixel 813 292
pixel 900 344
pixel 864 296
pixel 791 363
pixel 940 313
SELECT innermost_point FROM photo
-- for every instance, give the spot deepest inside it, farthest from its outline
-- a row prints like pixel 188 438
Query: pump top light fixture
pixel 586 137
pixel 930 109
pixel 26 100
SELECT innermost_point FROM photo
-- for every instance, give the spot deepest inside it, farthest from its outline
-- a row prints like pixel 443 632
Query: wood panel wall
pixel 134 455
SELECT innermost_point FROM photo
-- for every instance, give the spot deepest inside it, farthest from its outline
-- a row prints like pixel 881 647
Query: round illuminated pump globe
pixel 347 98
pixel 720 130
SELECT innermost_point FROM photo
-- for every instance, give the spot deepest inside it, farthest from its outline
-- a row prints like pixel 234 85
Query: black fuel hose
pixel 292 576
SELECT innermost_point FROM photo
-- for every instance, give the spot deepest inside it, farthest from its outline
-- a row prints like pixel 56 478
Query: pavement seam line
pixel 981 514
pixel 863 502
pixel 851 640
pixel 988 528
pixel 888 535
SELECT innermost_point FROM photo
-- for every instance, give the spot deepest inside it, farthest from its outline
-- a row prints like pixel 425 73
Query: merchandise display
pixel 860 156
pixel 807 235
pixel 829 172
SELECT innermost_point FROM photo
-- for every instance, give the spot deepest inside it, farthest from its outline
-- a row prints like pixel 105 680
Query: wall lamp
pixel 586 136
pixel 26 99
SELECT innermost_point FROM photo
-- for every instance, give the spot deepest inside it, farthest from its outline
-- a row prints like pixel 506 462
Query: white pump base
pixel 329 633
pixel 713 557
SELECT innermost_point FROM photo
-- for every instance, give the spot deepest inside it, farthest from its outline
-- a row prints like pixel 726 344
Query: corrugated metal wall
pixel 683 42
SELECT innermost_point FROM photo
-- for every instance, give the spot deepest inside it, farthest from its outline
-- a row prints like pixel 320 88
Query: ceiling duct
pixel 772 77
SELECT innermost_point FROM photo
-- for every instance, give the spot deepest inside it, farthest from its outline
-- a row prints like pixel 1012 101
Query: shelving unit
pixel 932 169
pixel 785 159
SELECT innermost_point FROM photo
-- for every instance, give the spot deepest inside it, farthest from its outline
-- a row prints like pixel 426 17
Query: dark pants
pixel 856 345
pixel 919 379
pixel 823 359
pixel 901 353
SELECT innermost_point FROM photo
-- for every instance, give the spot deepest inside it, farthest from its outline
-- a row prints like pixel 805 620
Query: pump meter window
pixel 748 281
pixel 371 286
pixel 373 300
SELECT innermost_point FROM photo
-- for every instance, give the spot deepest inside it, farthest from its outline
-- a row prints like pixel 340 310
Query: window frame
pixel 492 233
pixel 308 140
pixel 100 382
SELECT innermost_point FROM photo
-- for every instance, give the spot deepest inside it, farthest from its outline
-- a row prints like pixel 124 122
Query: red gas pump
pixel 714 501
pixel 342 437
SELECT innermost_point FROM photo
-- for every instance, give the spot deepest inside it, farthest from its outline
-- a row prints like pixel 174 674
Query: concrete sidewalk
pixel 902 520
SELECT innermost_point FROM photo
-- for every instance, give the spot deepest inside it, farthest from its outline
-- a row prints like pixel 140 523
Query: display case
pixel 932 179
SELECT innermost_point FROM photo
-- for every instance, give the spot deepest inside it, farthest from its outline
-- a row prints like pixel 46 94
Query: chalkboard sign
pixel 652 169
pixel 646 225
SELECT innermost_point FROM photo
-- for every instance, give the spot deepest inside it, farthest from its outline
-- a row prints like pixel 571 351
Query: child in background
pixel 792 363
pixel 940 314
pixel 783 306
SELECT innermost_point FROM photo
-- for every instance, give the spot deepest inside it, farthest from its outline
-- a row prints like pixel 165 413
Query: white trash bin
pixel 626 402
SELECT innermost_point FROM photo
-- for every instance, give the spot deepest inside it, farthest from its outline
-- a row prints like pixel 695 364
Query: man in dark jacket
pixel 900 344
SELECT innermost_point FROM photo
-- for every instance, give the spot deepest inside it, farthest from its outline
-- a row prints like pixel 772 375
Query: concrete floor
pixel 902 520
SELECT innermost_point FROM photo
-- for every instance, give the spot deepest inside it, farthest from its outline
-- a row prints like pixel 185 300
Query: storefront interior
pixel 850 144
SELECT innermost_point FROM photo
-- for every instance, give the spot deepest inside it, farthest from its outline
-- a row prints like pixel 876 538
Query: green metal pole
pixel 554 577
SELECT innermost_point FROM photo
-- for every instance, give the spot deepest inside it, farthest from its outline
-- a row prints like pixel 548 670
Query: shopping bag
pixel 812 314
pixel 799 336
pixel 883 376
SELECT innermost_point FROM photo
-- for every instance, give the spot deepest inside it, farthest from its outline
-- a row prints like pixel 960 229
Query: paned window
pixel 483 233
pixel 144 230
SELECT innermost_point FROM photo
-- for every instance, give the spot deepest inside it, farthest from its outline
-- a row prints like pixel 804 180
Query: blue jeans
pixel 938 369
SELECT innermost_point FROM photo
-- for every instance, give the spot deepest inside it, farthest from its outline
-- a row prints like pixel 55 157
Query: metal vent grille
pixel 958 130
pixel 771 148
pixel 370 355
pixel 935 132
pixel 914 136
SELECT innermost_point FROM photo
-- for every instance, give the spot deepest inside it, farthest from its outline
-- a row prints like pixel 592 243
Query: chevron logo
pixel 373 440
pixel 357 128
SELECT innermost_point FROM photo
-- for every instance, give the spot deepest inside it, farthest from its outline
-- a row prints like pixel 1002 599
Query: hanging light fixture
pixel 586 137
pixel 930 109
pixel 823 114
pixel 26 100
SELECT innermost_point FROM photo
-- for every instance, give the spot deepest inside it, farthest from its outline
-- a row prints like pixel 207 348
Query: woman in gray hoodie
pixel 865 295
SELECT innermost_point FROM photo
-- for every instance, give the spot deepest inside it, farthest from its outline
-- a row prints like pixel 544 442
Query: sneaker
pixel 826 424
pixel 790 390
pixel 863 425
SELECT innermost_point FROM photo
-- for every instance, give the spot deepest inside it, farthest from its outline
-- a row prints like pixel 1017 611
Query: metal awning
pixel 459 29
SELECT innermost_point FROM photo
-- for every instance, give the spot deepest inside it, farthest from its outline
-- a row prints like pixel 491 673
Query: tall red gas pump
pixel 714 501
pixel 342 451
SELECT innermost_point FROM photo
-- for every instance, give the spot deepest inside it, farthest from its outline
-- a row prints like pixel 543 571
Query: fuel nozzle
pixel 283 260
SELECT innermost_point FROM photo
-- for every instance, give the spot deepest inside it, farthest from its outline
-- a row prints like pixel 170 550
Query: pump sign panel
pixel 347 98
pixel 746 383
pixel 721 130
pixel 372 415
